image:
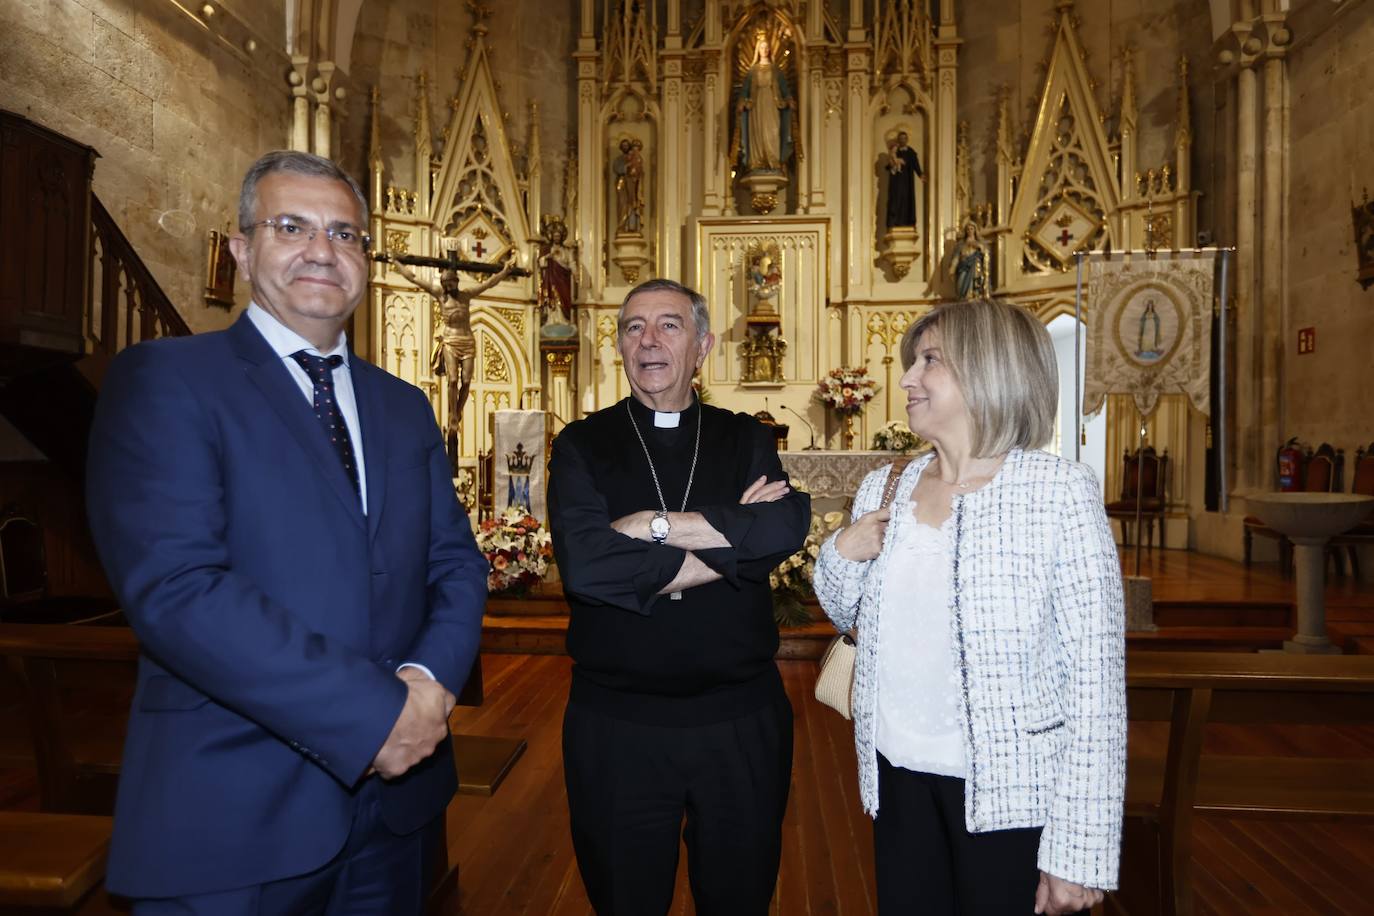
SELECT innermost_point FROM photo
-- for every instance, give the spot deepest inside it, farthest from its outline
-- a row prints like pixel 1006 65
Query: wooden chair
pixel 25 593
pixel 23 560
pixel 1362 482
pixel 1152 488
pixel 1290 464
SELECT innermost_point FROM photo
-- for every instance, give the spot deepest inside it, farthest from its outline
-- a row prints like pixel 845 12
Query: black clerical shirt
pixel 640 655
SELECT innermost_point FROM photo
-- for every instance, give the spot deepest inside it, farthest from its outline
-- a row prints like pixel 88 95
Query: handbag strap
pixel 894 476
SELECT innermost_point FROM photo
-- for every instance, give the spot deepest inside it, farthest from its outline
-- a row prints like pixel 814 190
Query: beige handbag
pixel 835 683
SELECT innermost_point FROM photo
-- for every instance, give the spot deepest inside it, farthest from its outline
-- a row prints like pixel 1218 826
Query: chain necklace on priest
pixel 658 526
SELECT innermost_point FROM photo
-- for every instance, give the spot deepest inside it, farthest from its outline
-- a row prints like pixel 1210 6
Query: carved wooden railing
pixel 126 303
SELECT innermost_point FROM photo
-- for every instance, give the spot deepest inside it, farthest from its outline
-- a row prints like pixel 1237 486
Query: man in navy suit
pixel 278 519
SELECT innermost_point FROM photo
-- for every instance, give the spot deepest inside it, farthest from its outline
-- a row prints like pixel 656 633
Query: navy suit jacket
pixel 271 612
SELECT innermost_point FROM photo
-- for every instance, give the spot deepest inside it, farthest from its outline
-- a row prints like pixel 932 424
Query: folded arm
pixel 599 564
pixel 766 526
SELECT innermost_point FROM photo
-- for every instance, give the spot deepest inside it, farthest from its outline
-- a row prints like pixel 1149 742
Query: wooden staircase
pixel 73 292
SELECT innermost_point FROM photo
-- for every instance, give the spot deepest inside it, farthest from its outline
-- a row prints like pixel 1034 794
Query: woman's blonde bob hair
pixel 1003 361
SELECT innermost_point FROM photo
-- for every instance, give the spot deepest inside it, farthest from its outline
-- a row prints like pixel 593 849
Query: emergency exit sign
pixel 1307 341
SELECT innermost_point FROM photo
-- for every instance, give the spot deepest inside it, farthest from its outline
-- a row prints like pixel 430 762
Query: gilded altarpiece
pixel 845 83
pixel 469 198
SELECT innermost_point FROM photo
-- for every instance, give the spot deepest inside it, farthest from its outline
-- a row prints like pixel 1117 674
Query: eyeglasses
pixel 288 230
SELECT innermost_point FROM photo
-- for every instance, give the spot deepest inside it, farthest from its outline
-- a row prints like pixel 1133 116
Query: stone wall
pixel 175 116
pixel 1326 395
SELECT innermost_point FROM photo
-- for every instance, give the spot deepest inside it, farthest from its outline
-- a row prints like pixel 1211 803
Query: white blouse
pixel 920 724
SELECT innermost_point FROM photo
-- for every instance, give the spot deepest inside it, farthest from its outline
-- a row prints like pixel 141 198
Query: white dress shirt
pixel 284 342
pixel 920 723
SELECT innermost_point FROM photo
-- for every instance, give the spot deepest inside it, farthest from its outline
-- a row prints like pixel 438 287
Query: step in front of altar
pixel 534 634
pixel 538 625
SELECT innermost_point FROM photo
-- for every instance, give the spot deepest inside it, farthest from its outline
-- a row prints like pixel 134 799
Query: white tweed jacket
pixel 1039 630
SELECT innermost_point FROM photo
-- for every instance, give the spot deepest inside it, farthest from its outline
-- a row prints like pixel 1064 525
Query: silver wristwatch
pixel 659 527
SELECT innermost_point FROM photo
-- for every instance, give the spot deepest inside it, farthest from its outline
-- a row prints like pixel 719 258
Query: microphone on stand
pixel 809 428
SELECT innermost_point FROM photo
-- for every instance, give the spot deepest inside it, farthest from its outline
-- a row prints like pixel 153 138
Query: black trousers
pixel 630 786
pixel 929 864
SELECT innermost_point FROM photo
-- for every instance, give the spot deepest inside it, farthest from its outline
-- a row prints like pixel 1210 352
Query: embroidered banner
pixel 520 461
pixel 1149 330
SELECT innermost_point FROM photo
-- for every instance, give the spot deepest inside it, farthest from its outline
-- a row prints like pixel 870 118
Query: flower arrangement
pixel 897 437
pixel 518 549
pixel 846 390
pixel 791 581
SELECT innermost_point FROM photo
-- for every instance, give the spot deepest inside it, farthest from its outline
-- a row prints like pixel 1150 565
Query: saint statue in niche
pixel 555 271
pixel 765 280
pixel 970 265
pixel 903 168
pixel 628 169
pixel 765 110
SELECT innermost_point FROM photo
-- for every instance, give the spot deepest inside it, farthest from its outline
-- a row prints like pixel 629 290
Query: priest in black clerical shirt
pixel 667 517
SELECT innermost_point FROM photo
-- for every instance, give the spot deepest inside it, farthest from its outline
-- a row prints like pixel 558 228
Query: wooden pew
pixel 52 863
pixel 77 683
pixel 1165 792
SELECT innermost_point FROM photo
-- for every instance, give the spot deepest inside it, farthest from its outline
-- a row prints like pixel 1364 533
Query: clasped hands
pixel 636 524
pixel 422 724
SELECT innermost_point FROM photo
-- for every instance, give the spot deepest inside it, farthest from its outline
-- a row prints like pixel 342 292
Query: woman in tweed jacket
pixel 989 688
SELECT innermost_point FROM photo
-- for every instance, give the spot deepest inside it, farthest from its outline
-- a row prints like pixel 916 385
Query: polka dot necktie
pixel 321 372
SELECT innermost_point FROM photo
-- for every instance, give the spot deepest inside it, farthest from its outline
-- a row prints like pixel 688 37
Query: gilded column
pixel 946 133
pixel 858 225
pixel 672 161
pixel 715 179
pixel 424 148
pixel 591 210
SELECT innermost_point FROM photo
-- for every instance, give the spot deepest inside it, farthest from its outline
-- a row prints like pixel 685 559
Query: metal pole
pixel 1077 368
pixel 1220 421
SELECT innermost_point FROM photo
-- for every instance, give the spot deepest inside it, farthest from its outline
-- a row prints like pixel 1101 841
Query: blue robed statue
pixel 766 115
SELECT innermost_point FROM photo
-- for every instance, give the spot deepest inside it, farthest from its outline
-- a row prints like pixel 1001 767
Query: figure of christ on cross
pixel 455 347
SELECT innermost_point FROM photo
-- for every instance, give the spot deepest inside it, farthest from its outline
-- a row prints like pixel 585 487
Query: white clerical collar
pixel 667 420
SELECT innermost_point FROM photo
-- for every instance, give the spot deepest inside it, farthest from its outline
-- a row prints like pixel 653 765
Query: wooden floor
pixel 515 854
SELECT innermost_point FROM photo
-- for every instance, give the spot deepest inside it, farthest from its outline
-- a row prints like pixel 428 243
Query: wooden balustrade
pixel 126 303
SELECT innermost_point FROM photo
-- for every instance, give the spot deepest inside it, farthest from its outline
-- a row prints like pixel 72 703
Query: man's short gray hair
pixel 1003 360
pixel 298 163
pixel 701 315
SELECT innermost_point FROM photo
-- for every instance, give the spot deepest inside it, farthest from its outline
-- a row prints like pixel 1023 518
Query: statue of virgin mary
pixel 765 114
